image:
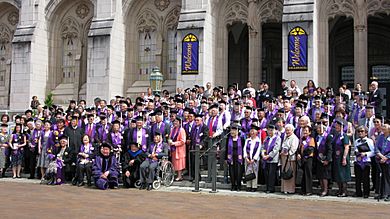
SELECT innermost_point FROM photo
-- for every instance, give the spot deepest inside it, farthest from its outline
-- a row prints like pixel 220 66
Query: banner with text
pixel 297 50
pixel 190 55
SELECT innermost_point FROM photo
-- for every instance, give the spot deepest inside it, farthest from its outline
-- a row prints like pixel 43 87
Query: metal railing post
pixel 197 157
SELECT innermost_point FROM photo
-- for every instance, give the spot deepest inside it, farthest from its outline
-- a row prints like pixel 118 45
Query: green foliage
pixel 49 100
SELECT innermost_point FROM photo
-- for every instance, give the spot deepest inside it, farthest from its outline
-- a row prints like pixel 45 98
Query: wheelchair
pixel 165 173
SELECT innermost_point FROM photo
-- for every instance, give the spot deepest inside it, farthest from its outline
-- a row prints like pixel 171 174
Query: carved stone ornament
pixel 69 29
pixel 378 6
pixel 236 12
pixel 13 18
pixel 341 7
pixel 82 10
pixel 161 4
pixel 4 34
pixel 271 11
pixel 147 21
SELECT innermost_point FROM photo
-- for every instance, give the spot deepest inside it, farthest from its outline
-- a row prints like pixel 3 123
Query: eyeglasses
pixel 360 131
pixel 377 122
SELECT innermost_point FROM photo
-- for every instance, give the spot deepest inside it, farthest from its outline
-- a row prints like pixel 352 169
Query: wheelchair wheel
pixel 137 184
pixel 156 184
pixel 168 174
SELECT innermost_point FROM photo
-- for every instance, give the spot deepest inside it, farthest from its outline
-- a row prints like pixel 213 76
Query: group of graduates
pixel 293 137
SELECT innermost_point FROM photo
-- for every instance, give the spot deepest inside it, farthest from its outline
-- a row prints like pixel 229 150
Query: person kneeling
pixel 156 151
pixel 105 168
pixel 131 164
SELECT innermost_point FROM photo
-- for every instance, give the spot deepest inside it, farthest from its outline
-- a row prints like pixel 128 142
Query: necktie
pixel 211 127
pixel 90 130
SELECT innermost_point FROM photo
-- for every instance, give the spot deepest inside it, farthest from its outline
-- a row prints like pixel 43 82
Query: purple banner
pixel 297 50
pixel 190 55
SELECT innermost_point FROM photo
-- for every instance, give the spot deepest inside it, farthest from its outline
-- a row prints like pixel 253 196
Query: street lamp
pixel 156 80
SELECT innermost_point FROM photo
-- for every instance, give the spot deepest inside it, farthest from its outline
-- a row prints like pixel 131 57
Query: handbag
pixel 299 173
pixel 287 174
pixel 250 176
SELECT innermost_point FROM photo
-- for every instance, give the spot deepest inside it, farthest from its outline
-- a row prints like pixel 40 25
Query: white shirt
pixel 139 136
pixel 252 143
pixel 227 119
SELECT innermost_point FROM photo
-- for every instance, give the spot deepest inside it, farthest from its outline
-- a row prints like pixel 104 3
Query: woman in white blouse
pixel 289 148
pixel 252 155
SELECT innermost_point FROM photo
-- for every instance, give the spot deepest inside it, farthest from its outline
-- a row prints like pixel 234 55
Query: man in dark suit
pixel 375 98
pixel 74 132
pixel 198 136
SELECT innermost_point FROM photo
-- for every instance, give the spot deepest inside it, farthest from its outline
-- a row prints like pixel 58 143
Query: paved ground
pixel 21 198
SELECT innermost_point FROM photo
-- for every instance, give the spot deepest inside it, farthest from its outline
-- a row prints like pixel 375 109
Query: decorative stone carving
pixel 271 10
pixel 69 28
pixel 161 4
pixel 341 7
pixel 82 10
pixel 172 19
pixel 236 12
pixel 13 18
pixel 5 34
pixel 378 6
pixel 252 17
pixel 147 21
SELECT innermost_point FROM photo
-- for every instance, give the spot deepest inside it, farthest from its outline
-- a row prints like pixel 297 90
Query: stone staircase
pixel 63 93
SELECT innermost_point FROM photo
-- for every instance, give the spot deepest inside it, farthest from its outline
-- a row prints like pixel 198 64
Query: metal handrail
pixel 215 144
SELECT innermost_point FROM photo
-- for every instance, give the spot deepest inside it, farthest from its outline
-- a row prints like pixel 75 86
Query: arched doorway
pixel 272 55
pixel 9 19
pixel 341 52
pixel 379 55
pixel 238 54
pixel 69 23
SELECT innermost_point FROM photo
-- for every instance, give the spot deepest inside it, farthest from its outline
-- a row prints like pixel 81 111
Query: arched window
pixel 4 52
pixel 70 47
pixel 147 52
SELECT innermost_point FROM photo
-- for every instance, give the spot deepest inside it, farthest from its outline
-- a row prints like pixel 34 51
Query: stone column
pixel 361 44
pixel 255 56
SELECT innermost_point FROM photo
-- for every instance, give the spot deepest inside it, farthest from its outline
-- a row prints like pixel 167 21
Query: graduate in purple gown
pixel 234 157
pixel 105 169
pixel 382 150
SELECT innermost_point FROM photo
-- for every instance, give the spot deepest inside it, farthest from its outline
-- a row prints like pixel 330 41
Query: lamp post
pixel 156 80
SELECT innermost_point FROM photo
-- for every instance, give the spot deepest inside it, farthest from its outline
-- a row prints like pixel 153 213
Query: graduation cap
pixel 106 145
pixel 248 108
pixel 255 127
pixel 260 109
pixel 173 111
pixel 284 80
pixel 116 122
pixel 139 104
pixel 339 121
pixel 178 118
pixel 271 126
pixel 198 116
pixel 317 98
pixel 237 103
pixel 90 115
pixel 130 109
pixel 152 114
pixel 48 121
pixel 222 102
pixel 139 118
pixel 179 100
pixel 235 126
pixel 192 112
pixel 110 107
pixel 133 121
pixel 158 112
pixel 28 111
pixel 281 110
pixel 157 132
pixel 4 125
pixel 134 143
pixel 216 89
pixel 369 107
pixel 213 106
pixel 63 137
pixel 74 117
pixel 255 119
pixel 118 97
pixel 157 95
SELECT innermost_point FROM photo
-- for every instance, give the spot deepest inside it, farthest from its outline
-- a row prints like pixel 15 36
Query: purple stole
pixel 239 150
pixel 174 134
pixel 271 114
pixel 223 118
pixel 269 146
pixel 111 118
pixel 306 144
pixel 102 133
pixel 263 123
pixel 248 149
pixel 34 139
pixel 289 117
pixel 158 150
pixel 143 141
pixel 87 149
pixel 246 125
pixel 321 145
pixel 50 139
pixel 16 138
pixel 384 149
pixel 92 131
pixel 180 113
pixel 116 139
pixel 338 145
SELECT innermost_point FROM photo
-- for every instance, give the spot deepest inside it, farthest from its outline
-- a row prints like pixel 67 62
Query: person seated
pixel 60 157
pixel 84 161
pixel 156 151
pixel 105 168
pixel 132 160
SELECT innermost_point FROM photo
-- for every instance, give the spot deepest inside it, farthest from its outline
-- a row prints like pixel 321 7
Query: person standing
pixel 46 142
pixel 341 166
pixel 305 155
pixel 74 133
pixel 4 143
pixel 288 154
pixel 270 157
pixel 178 148
pixel 364 150
pixel 234 157
pixel 382 151
pixel 252 150
pixel 324 157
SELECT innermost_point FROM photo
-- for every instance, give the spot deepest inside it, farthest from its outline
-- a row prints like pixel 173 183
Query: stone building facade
pixel 80 49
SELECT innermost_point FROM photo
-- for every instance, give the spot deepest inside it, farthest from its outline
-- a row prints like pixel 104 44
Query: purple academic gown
pixel 99 169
